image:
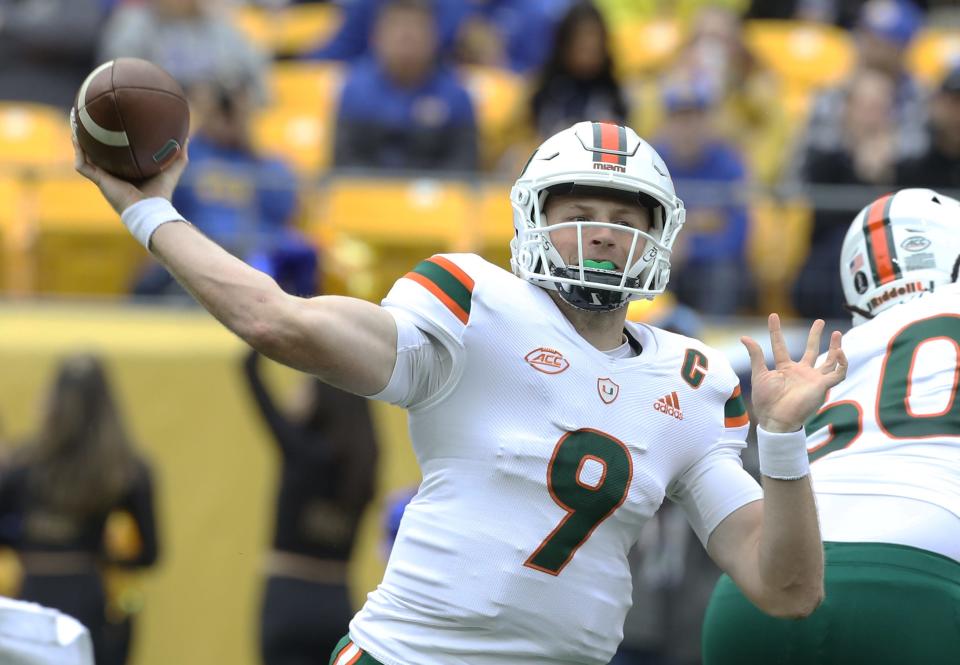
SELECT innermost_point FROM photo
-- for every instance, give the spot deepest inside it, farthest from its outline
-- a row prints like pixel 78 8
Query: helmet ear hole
pixel 956 269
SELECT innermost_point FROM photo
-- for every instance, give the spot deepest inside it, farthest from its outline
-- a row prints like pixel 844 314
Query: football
pixel 131 118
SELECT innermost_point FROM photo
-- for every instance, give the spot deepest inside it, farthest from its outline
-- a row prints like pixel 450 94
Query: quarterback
pixel 547 428
pixel 886 451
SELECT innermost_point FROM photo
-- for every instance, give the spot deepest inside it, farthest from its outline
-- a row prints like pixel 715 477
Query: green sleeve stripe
pixel 444 280
pixel 734 408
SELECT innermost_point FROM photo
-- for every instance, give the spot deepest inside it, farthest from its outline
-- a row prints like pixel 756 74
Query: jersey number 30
pixel 894 416
pixel 586 504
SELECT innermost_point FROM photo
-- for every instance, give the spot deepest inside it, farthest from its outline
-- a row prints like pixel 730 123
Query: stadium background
pixel 66 263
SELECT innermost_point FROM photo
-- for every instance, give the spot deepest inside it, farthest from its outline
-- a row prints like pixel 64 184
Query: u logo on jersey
pixel 609 391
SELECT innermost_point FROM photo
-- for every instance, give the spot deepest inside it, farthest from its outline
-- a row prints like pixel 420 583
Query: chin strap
pixel 853 309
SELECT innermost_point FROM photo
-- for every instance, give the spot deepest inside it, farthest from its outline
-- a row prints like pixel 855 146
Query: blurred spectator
pixel 47 48
pixel 711 274
pixel 864 156
pixel 578 82
pixel 939 166
pixel 194 40
pixel 328 470
pixel 883 34
pixel 498 33
pixel 242 200
pixel 355 37
pixel 401 108
pixel 751 113
pixel 489 32
pixel 59 490
pixel 396 505
pixel 843 13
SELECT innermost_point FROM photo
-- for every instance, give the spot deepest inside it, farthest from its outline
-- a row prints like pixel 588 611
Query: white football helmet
pixel 583 158
pixel 898 247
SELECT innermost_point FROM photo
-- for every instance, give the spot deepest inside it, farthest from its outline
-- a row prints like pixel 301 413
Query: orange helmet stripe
pixel 880 248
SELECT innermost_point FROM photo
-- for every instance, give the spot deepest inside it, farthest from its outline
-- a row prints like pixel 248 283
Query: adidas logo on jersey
pixel 670 405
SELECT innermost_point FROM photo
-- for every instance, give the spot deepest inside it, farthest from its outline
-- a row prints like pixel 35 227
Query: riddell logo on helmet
pixel 895 292
pixel 603 166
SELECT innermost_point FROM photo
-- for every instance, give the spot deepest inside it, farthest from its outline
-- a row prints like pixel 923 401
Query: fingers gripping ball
pixel 130 118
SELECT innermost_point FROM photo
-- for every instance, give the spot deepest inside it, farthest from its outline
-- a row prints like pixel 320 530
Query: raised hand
pixel 122 194
pixel 785 396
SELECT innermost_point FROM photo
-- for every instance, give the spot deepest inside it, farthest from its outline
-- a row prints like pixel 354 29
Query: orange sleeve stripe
pixel 736 421
pixel 454 270
pixel 438 293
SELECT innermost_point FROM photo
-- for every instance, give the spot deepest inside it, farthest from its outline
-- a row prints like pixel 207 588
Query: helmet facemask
pixel 592 284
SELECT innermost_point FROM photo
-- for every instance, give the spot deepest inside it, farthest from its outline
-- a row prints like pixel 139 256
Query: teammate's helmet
pixel 584 158
pixel 898 247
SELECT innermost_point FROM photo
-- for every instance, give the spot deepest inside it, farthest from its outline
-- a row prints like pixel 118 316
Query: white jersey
pixel 892 429
pixel 542 458
pixel 31 634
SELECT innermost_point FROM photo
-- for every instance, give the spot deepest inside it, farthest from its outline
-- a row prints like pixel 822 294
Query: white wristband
pixel 146 215
pixel 783 455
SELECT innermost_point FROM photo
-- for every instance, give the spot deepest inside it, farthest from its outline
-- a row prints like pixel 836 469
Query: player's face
pixel 599 243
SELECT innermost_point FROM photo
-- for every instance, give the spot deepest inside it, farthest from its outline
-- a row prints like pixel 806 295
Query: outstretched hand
pixel 784 397
pixel 121 194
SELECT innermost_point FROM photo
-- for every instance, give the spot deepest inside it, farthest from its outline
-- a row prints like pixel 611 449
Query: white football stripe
pixel 347 655
pixel 105 136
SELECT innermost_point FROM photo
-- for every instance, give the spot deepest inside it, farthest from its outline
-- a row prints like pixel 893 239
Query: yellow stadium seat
pixel 811 54
pixel 643 46
pixel 305 85
pixel 289 31
pixel 78 244
pixel 933 52
pixel 492 228
pixel 399 212
pixel 34 135
pixel 499 98
pixel 11 229
pixel 778 243
pixel 303 138
pixel 390 225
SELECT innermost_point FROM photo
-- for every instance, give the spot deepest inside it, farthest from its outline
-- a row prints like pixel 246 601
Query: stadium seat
pixel 78 244
pixel 778 242
pixel 811 54
pixel 493 223
pixel 11 229
pixel 305 85
pixel 303 138
pixel 499 97
pixel 643 46
pixel 34 135
pixel 398 212
pixel 396 223
pixel 933 52
pixel 289 31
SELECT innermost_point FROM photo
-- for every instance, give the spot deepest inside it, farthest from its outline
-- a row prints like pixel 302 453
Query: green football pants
pixel 347 653
pixel 885 605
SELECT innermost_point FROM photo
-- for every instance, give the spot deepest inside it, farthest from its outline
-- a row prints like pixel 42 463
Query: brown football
pixel 131 118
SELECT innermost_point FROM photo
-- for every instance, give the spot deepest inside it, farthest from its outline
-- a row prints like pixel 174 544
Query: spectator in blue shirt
pixel 711 273
pixel 519 47
pixel 244 201
pixel 402 109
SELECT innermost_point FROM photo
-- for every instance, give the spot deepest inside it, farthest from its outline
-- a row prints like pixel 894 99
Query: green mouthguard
pixel 599 265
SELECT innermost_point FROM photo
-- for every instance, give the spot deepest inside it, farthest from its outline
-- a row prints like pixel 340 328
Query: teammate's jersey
pixel 892 427
pixel 542 458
